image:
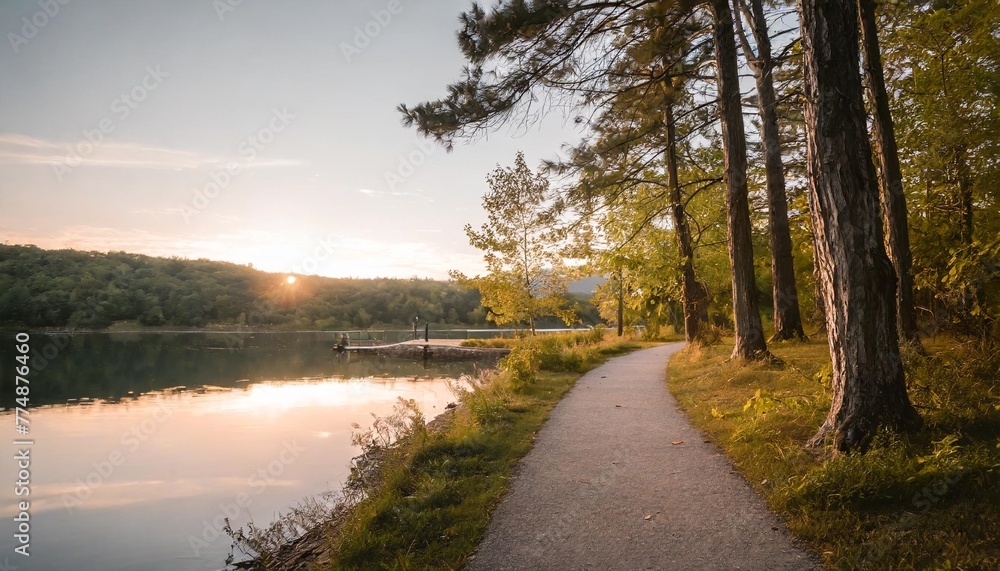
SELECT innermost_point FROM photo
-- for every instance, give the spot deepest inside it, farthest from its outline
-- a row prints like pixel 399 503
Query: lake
pixel 144 443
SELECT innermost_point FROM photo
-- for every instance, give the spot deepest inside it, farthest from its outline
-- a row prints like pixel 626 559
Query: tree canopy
pixel 817 208
pixel 526 279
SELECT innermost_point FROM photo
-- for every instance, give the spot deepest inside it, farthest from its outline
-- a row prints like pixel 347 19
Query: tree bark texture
pixel 859 282
pixel 894 214
pixel 819 310
pixel 621 305
pixel 695 295
pixel 750 343
pixel 787 315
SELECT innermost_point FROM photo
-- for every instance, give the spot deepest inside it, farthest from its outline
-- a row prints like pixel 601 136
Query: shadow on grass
pixel 928 500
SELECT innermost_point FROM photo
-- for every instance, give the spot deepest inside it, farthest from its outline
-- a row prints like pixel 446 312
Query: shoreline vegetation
pixel 913 501
pixel 424 351
pixel 420 494
pixel 134 327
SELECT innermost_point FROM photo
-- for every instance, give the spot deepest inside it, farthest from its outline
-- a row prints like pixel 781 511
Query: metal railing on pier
pixel 371 337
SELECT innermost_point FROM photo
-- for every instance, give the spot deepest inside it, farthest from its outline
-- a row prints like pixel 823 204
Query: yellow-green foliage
pixel 929 500
pixel 571 352
pixel 487 397
pixel 520 366
pixel 494 343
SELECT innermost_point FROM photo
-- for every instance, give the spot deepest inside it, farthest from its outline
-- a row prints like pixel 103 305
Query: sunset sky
pixel 253 132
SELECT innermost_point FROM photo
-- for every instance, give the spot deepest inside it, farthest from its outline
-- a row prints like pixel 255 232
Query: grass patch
pixel 928 500
pixel 420 499
pixel 545 341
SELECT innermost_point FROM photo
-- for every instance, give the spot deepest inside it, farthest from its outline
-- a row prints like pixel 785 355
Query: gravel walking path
pixel 619 479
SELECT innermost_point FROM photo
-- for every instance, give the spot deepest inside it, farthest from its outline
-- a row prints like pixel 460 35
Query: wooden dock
pixel 437 349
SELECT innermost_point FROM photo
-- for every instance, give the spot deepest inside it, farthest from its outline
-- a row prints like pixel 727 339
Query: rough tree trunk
pixel 859 282
pixel 897 234
pixel 965 202
pixel 819 310
pixel 695 295
pixel 750 343
pixel 787 316
pixel 964 180
pixel 621 305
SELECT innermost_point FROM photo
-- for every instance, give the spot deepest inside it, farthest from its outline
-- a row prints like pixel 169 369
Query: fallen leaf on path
pixel 676 442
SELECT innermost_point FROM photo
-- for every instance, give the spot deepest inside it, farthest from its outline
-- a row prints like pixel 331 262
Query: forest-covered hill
pixel 57 288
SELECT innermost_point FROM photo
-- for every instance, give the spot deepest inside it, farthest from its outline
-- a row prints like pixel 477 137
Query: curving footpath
pixel 606 487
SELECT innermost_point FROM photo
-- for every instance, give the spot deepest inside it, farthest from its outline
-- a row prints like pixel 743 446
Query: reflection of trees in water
pixel 111 366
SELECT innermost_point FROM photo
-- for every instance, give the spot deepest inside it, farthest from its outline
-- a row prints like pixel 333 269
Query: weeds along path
pixel 619 479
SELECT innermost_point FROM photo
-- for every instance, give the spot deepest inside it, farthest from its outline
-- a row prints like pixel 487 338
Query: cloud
pixel 180 212
pixel 103 239
pixel 378 193
pixel 367 258
pixel 19 149
pixel 269 250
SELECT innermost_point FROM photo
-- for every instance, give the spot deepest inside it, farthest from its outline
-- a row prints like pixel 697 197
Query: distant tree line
pixel 69 288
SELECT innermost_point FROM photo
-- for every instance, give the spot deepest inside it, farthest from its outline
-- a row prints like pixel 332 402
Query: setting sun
pixel 290 280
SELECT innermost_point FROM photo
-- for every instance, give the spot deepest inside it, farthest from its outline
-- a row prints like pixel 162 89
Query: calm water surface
pixel 145 443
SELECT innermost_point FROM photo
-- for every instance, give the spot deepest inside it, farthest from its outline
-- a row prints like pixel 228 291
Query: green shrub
pixel 595 335
pixel 520 366
pixel 494 343
pixel 487 396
